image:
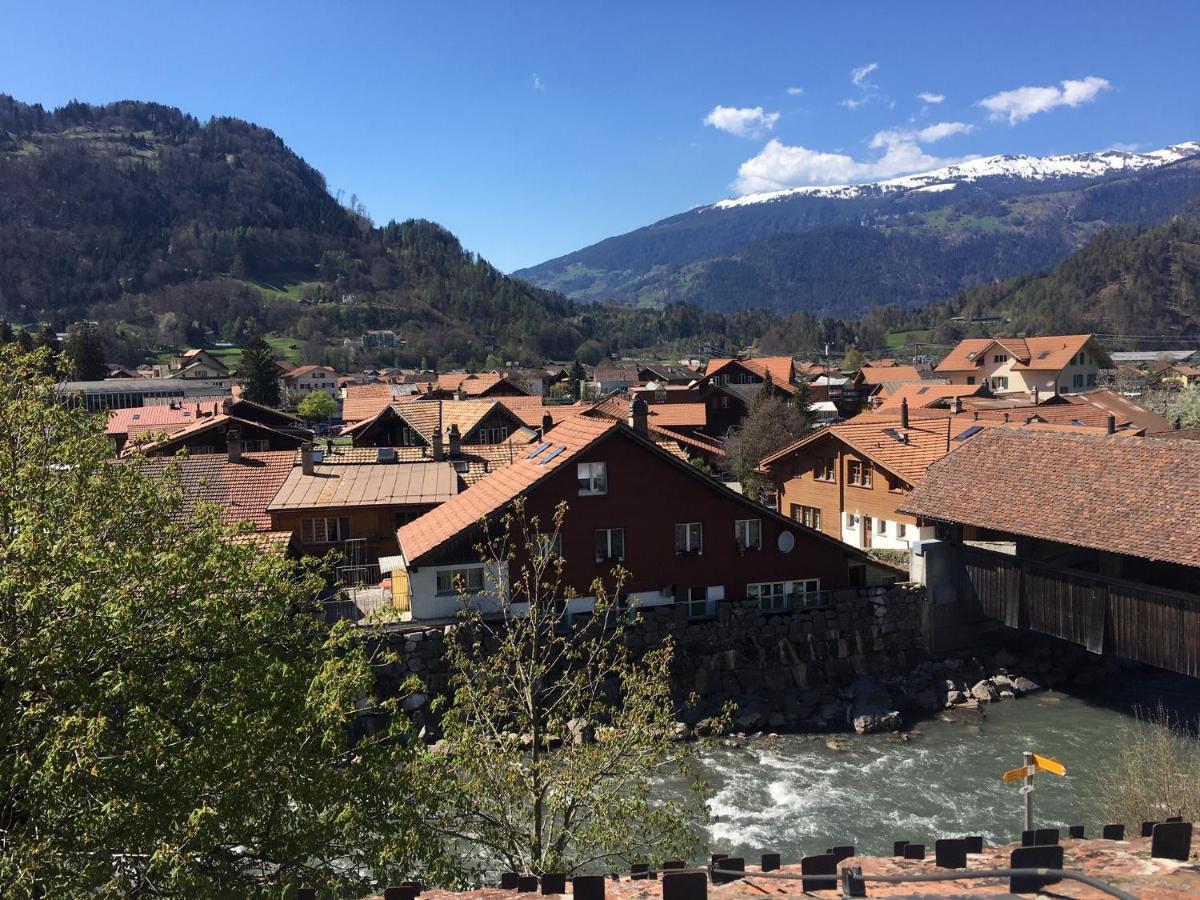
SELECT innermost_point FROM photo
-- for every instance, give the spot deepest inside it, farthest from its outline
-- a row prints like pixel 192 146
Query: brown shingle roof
pixel 243 489
pixel 366 400
pixel 339 486
pixel 500 488
pixel 780 368
pixel 174 435
pixel 1135 497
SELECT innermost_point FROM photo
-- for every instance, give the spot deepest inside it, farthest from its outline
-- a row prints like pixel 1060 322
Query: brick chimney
pixel 547 423
pixel 438 450
pixel 1111 424
pixel 307 462
pixel 455 441
pixel 233 445
pixel 639 416
pixel 904 412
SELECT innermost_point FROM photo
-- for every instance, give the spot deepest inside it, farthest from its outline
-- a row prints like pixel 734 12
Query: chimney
pixel 1036 396
pixel 460 394
pixel 226 406
pixel 438 453
pixel 306 459
pixel 904 412
pixel 547 423
pixel 639 416
pixel 455 441
pixel 1111 424
pixel 957 405
pixel 233 445
pixel 1006 417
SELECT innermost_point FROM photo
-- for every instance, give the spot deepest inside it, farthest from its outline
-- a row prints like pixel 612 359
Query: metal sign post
pixel 1033 764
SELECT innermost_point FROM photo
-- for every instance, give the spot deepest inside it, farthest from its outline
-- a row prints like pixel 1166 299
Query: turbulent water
pixel 795 795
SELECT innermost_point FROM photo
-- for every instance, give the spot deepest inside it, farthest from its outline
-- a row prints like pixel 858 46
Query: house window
pixel 409 437
pixel 806 592
pixel 1091 379
pixel 610 545
pixel 1078 380
pixel 1000 381
pixel 260 446
pixel 698 605
pixel 660 395
pixel 462 467
pixel 824 469
pixel 882 529
pixel 593 478
pixel 771 595
pixel 493 435
pixel 894 484
pixel 860 473
pixel 748 534
pixel 549 546
pixel 689 538
pixel 324 531
pixel 469 580
pixel 851 520
pixel 807 515
pixel 1000 358
pixel 970 379
pixel 901 530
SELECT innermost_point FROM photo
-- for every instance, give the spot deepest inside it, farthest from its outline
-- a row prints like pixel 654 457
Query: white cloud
pixel 929 97
pixel 778 166
pixel 859 75
pixel 926 135
pixel 1020 103
pixel 538 84
pixel 748 123
pixel 1125 147
pixel 795 91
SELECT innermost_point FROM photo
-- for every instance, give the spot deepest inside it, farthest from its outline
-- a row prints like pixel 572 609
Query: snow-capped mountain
pixel 1034 168
pixel 838 250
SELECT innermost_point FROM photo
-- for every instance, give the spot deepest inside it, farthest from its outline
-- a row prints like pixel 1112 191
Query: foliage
pixel 853 360
pixel 556 731
pixel 1157 771
pixel 176 718
pixel 317 407
pixel 257 373
pixel 1184 408
pixel 802 400
pixel 85 353
pixel 771 425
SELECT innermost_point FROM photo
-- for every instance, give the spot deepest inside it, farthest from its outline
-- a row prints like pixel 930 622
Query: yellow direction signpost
pixel 1034 763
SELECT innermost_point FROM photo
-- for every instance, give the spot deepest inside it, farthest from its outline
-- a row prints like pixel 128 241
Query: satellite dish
pixel 786 542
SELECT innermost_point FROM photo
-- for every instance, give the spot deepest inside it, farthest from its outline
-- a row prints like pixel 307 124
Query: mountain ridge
pixel 810 252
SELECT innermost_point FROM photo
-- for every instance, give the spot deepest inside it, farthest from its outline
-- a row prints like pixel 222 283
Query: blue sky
pixel 533 129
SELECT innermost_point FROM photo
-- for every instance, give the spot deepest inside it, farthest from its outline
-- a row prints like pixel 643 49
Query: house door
pixel 868 524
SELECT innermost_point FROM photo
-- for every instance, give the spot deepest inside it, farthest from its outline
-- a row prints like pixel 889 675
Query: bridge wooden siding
pixel 1151 625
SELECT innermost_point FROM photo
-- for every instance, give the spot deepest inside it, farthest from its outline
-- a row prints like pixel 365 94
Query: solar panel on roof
pixel 922 390
pixel 538 449
pixel 136 416
pixel 1076 422
pixel 970 432
pixel 1043 354
pixel 553 453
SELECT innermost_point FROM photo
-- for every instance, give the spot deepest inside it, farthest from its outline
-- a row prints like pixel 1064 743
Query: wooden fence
pixel 1120 618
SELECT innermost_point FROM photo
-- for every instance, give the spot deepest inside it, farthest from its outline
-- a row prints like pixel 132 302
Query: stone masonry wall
pixel 743 653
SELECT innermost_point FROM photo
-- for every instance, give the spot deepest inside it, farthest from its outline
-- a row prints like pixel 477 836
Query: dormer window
pixel 592 478
pixel 1000 358
pixel 748 534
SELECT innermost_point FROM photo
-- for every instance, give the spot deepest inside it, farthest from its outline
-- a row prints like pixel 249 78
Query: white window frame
pixel 881 528
pixel 772 596
pixel 748 534
pixel 472 580
pixel 609 533
pixel 802 589
pixel 592 478
pixel 693 539
pixel 698 607
pixel 325 530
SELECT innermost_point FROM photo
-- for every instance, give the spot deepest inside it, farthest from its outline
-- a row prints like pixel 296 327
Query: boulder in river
pixel 1025 685
pixel 984 691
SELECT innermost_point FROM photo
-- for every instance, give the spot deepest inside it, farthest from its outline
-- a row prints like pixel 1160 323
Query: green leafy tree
pixel 1184 408
pixel 853 360
pixel 176 719
pixel 317 407
pixel 557 732
pixel 771 425
pixel 257 373
pixel 85 353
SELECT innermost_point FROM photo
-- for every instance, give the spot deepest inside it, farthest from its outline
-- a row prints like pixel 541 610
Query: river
pixel 794 795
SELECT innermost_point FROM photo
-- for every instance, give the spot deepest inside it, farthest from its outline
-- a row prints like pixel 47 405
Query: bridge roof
pixel 1132 496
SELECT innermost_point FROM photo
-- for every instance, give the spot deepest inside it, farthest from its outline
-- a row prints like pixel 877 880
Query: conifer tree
pixel 85 353
pixel 257 373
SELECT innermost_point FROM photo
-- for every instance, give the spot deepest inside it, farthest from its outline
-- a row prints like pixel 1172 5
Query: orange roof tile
pixel 924 395
pixel 781 368
pixel 350 485
pixel 879 375
pixel 1051 353
pixel 1136 497
pixel 500 488
pixel 243 489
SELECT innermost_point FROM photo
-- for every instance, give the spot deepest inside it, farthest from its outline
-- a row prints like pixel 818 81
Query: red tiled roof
pixel 366 400
pixel 500 488
pixel 924 395
pixel 243 489
pixel 531 409
pixel 880 374
pixel 1134 497
pixel 158 444
pixel 164 418
pixel 1050 353
pixel 304 370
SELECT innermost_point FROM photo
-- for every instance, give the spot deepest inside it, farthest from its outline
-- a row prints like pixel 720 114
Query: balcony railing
pixel 359 594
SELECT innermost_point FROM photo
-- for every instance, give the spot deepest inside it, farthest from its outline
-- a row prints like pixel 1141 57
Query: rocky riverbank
pixel 963 685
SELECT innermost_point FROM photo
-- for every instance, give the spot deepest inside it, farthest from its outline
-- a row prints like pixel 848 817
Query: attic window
pixel 969 433
pixel 922 390
pixel 538 449
pixel 896 435
pixel 1043 354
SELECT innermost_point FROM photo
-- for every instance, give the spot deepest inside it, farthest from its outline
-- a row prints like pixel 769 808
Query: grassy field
pixel 898 339
pixel 284 348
